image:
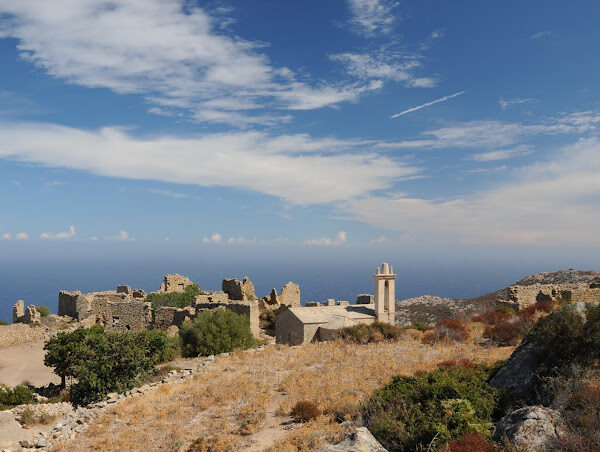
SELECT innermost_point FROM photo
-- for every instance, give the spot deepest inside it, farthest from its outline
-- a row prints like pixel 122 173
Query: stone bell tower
pixel 385 290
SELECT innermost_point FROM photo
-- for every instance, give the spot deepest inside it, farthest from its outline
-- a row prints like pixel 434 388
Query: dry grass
pixel 228 404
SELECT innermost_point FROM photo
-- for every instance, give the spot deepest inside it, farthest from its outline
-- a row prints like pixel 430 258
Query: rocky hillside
pixel 570 276
pixel 429 309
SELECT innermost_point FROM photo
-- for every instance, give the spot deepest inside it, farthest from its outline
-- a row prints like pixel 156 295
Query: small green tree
pixel 102 362
pixel 43 310
pixel 215 331
pixel 18 395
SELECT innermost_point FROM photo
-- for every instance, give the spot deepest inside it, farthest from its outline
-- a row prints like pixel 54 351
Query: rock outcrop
pixel 570 276
pixel 531 428
pixel 428 309
pixel 359 441
pixel 519 374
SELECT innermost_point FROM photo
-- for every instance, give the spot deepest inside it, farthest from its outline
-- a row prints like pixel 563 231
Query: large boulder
pixel 520 373
pixel 531 428
pixel 359 441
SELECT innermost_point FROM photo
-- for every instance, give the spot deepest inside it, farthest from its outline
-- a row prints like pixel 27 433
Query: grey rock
pixel 359 441
pixel 531 428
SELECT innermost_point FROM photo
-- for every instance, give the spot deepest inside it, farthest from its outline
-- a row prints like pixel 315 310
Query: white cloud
pixel 379 240
pixel 542 35
pixel 238 240
pixel 215 238
pixel 94 238
pixel 385 65
pixel 326 241
pixel 6 236
pixel 550 203
pixel 296 168
pixel 372 17
pixel 428 104
pixel 505 104
pixel 71 233
pixel 437 34
pixel 21 236
pixel 502 154
pixel 498 134
pixel 122 236
pixel 168 193
pixel 177 55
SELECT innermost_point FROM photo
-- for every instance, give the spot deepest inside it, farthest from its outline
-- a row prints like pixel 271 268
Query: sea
pixel 38 281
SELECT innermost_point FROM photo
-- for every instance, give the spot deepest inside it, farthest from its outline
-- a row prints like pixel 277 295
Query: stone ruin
pixel 520 297
pixel 22 315
pixel 237 290
pixel 174 283
pixel 290 297
pixel 127 309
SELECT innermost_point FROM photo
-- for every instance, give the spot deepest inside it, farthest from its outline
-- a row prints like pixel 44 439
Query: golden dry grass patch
pixel 227 404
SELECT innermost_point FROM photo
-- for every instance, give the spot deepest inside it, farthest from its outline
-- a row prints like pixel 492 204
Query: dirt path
pixel 274 427
pixel 25 362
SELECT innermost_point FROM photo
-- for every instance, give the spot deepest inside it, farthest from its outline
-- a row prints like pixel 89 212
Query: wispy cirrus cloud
pixel 502 154
pixel 297 168
pixel 385 65
pixel 542 35
pixel 178 56
pixel 505 104
pixel 553 202
pixel 373 17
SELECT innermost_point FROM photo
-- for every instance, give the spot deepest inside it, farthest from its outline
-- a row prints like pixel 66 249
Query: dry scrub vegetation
pixel 243 401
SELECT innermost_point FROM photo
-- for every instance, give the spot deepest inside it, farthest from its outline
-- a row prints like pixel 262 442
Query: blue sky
pixel 379 124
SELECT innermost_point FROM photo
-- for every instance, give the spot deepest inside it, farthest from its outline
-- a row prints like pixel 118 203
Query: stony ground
pixel 243 401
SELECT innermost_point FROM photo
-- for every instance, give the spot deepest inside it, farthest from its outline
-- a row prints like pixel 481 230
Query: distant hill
pixel 570 276
pixel 428 309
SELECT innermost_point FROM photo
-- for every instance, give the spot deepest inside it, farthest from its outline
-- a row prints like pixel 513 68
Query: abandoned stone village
pixel 127 309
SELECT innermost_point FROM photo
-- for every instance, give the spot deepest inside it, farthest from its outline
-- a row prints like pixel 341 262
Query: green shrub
pixel 2 323
pixel 267 320
pixel 419 326
pixel 19 395
pixel 103 362
pixel 215 331
pixel 435 407
pixel 43 310
pixel 374 332
pixel 175 299
pixel 564 339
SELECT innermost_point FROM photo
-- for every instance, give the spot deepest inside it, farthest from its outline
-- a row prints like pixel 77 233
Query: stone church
pixel 301 325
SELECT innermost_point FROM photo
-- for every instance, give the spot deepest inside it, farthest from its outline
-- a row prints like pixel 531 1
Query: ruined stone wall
pixel 239 290
pixel 21 314
pixel 290 295
pixel 523 296
pixel 127 316
pixel 175 283
pixel 67 303
pixel 212 297
pixel 167 316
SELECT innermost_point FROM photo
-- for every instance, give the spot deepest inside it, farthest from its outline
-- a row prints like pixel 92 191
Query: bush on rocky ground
pixel 11 397
pixel 43 310
pixel 432 408
pixel 374 332
pixel 175 299
pixel 101 362
pixel 215 331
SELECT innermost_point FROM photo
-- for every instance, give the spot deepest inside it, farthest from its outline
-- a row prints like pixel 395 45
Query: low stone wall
pixel 77 420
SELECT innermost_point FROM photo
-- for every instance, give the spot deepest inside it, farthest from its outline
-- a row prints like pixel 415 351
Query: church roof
pixel 334 314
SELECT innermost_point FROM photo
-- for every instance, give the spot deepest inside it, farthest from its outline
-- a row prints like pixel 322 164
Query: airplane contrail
pixel 433 102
